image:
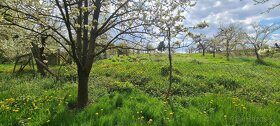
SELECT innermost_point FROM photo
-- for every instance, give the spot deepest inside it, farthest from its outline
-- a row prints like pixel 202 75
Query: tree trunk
pixel 214 53
pixel 170 65
pixel 37 55
pixel 203 52
pixel 105 54
pixel 257 54
pixel 83 77
pixel 227 50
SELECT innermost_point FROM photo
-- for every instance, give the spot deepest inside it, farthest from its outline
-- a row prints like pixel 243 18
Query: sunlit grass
pixel 130 91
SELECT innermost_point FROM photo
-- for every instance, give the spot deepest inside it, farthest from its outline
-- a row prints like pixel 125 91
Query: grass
pixel 130 91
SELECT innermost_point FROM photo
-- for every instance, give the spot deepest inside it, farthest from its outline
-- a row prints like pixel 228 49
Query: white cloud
pixel 229 11
pixel 275 36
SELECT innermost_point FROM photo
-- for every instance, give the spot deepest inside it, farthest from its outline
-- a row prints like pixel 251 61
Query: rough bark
pixel 203 52
pixel 83 77
pixel 38 53
pixel 227 50
pixel 257 54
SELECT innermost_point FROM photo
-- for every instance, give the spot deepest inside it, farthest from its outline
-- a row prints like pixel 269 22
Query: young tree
pixel 231 35
pixel 202 42
pixel 215 44
pixel 259 37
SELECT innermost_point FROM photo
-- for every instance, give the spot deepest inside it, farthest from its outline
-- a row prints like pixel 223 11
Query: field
pixel 130 90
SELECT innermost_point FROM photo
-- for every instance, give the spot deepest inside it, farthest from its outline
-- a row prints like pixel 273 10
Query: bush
pixel 228 84
pixel 165 71
pixel 121 87
pixel 195 62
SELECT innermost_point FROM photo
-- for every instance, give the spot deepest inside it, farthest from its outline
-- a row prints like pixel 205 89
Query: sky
pixel 245 12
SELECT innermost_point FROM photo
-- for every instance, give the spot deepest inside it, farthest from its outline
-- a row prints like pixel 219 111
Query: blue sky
pixel 244 12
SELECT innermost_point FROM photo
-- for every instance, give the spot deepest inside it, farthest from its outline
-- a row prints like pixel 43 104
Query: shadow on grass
pixel 264 63
pixel 246 59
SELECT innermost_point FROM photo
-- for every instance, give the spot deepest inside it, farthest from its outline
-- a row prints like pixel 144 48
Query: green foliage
pixel 130 90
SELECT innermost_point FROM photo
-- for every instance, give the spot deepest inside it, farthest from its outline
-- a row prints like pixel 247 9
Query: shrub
pixel 195 62
pixel 121 87
pixel 228 84
pixel 165 71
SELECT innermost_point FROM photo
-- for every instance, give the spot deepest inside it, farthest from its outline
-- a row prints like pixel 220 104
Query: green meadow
pixel 130 90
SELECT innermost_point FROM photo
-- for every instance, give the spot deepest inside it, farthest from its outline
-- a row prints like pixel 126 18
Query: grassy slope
pixel 130 91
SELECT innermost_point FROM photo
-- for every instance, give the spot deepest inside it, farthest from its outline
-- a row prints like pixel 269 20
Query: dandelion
pixel 150 121
pixel 15 110
pixel 45 61
pixel 244 107
pixel 97 114
pixel 29 118
pixel 171 113
pixel 225 116
pixel 142 117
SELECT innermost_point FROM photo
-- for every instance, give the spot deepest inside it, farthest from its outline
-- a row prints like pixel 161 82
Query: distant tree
pixel 149 47
pixel 161 47
pixel 277 46
pixel 123 49
pixel 259 37
pixel 215 44
pixel 230 35
pixel 201 41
